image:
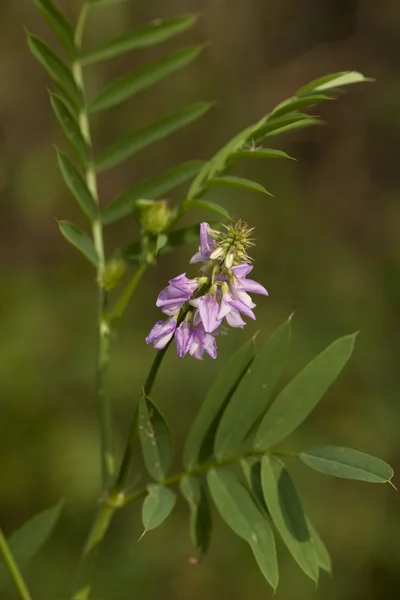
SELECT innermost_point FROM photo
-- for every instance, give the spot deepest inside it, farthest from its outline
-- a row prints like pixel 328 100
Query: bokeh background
pixel 328 247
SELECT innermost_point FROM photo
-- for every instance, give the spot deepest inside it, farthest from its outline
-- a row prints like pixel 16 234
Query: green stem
pixel 204 467
pixel 126 294
pixel 103 342
pixel 13 569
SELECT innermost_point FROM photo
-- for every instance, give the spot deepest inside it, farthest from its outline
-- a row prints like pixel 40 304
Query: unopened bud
pixel 112 273
pixel 152 215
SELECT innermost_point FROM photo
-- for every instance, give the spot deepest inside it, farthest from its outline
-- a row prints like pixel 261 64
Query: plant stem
pixel 103 333
pixel 13 569
pixel 126 293
pixel 204 467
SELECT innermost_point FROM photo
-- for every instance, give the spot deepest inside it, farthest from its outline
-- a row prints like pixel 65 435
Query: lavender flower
pixel 198 307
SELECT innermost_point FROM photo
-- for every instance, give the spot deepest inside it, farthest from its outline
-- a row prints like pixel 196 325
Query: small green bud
pixel 152 215
pixel 112 273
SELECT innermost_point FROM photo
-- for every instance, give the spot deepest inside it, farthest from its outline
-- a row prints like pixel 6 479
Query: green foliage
pixel 347 464
pixel 236 182
pixel 77 185
pixel 157 506
pixel 147 35
pixel 26 542
pixel 155 439
pixel 150 189
pixel 253 395
pixel 260 153
pixel 303 393
pixel 240 513
pixel 58 70
pixel 208 206
pixel 128 145
pixel 200 524
pixel 58 23
pixel 127 86
pixel 70 127
pixel 200 441
pixel 80 240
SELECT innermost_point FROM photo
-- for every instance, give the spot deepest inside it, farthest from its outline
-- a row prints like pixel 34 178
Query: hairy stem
pixel 13 569
pixel 103 331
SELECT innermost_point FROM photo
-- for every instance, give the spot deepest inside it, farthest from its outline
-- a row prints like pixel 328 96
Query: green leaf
pixel 251 467
pixel 292 104
pixel 210 206
pixel 155 439
pixel 199 443
pixel 77 186
pixel 253 395
pixel 285 124
pixel 321 552
pixel 157 506
pixel 347 463
pixel 147 35
pixel 237 182
pixel 151 189
pixel 240 513
pixel 303 393
pixel 80 240
pixel 70 127
pixel 127 86
pixel 26 542
pixel 287 514
pixel 335 80
pixel 200 513
pixel 260 153
pixel 58 22
pixel 130 144
pixel 56 67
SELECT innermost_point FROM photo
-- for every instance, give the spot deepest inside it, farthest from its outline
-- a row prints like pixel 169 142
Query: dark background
pixel 327 247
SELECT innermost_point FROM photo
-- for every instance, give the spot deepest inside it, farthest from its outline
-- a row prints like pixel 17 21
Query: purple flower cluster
pixel 197 307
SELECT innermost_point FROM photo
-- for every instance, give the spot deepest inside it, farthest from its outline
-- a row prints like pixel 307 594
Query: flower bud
pixel 112 273
pixel 152 215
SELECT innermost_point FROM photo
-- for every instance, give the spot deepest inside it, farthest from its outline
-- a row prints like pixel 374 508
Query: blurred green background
pixel 328 247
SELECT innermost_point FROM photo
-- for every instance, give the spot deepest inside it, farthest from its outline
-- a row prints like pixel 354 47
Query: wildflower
pixel 198 307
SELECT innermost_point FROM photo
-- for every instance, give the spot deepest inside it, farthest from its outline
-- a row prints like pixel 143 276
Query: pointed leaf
pixel 151 189
pixel 155 439
pixel 237 182
pixel 210 206
pixel 292 104
pixel 260 153
pixel 130 144
pixel 238 510
pixel 199 443
pixel 147 35
pixel 287 514
pixel 200 513
pixel 26 542
pixel 251 467
pixel 77 186
pixel 253 395
pixel 347 463
pixel 285 124
pixel 80 240
pixel 70 127
pixel 303 393
pixel 127 86
pixel 335 80
pixel 57 69
pixel 321 552
pixel 58 22
pixel 157 506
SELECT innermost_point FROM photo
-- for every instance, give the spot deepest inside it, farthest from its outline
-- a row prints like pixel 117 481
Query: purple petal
pixel 208 309
pixel 240 294
pixel 172 309
pixel 253 286
pixel 161 333
pixel 183 283
pixel 183 338
pixel 242 270
pixel 196 258
pixel 170 295
pixel 205 240
pixel 243 308
pixel 210 345
pixel 196 348
pixel 224 306
pixel 234 319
